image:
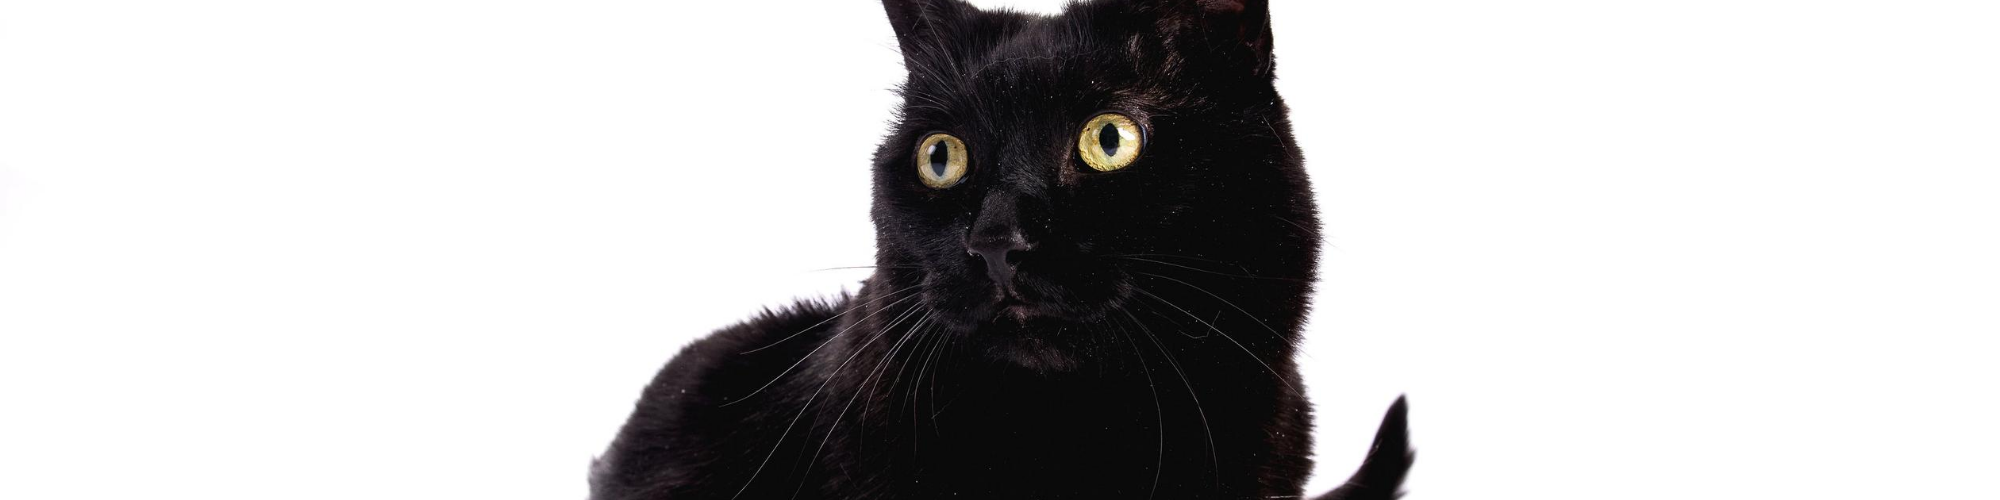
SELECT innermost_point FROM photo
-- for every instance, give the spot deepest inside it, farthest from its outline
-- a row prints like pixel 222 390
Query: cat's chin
pixel 1036 343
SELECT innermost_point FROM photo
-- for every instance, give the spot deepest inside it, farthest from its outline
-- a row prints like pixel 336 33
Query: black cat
pixel 1096 245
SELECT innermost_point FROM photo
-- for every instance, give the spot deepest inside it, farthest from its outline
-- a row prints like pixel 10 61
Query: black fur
pixel 1142 346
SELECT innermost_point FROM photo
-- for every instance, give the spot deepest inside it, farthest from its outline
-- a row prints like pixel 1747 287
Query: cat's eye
pixel 1109 142
pixel 941 160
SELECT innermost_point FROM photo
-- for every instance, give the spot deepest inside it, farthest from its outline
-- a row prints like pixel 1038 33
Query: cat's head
pixel 1055 182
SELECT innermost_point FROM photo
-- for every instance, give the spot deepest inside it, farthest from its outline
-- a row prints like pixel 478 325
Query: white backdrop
pixel 433 248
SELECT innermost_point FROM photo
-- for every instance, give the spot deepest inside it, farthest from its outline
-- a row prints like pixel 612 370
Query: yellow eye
pixel 941 160
pixel 1109 142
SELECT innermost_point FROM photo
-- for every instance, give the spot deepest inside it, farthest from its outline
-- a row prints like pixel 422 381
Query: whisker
pixel 935 411
pixel 1232 305
pixel 1302 227
pixel 874 374
pixel 933 387
pixel 1159 415
pixel 1200 270
pixel 936 335
pixel 822 345
pixel 917 346
pixel 831 318
pixel 1215 462
pixel 862 267
pixel 1238 267
pixel 802 411
pixel 1225 335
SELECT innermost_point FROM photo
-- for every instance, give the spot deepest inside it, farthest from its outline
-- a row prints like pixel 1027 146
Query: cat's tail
pixel 1381 474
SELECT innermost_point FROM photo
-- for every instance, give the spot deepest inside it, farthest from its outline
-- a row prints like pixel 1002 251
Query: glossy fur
pixel 1040 330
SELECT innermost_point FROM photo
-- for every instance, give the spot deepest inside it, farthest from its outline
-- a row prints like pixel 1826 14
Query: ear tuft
pixel 911 17
pixel 903 15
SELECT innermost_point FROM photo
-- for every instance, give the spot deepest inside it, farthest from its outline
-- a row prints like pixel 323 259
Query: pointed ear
pixel 917 20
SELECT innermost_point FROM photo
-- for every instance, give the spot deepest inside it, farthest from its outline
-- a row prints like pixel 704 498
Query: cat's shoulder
pixel 683 431
pixel 770 339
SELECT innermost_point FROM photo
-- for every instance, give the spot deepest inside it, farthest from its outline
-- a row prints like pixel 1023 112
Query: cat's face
pixel 1052 180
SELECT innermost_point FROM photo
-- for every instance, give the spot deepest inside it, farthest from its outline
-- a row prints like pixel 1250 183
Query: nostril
pixel 1000 255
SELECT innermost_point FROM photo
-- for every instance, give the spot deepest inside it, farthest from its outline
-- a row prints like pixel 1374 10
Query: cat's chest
pixel 1053 443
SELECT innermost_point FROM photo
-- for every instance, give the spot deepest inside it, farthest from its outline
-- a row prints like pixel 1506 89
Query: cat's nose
pixel 996 237
pixel 1002 253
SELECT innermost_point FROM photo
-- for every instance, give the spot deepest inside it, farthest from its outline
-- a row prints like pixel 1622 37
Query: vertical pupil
pixel 940 156
pixel 1107 138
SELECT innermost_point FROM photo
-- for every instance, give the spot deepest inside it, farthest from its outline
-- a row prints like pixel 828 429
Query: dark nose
pixel 1002 252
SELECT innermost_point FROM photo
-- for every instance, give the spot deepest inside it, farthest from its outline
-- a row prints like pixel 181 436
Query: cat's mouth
pixel 1015 309
pixel 1033 300
pixel 1012 304
pixel 1015 306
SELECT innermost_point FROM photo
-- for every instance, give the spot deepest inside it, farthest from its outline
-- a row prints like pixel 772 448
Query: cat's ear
pixel 916 21
pixel 1236 26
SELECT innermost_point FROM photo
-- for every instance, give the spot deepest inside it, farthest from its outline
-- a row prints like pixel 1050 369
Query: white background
pixel 433 249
